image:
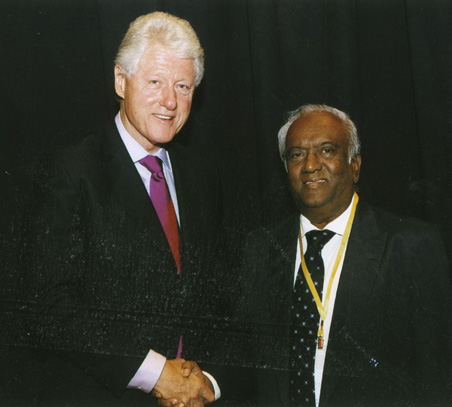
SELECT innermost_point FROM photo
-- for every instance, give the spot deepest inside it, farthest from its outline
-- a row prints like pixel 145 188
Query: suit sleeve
pixel 432 322
pixel 59 322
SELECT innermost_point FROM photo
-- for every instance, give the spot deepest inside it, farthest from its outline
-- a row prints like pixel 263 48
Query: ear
pixel 120 81
pixel 356 167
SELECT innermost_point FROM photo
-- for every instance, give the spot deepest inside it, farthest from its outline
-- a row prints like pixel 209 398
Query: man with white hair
pixel 128 223
pixel 351 304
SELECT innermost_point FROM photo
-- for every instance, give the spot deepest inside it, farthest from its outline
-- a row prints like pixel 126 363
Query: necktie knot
pixel 154 165
pixel 317 239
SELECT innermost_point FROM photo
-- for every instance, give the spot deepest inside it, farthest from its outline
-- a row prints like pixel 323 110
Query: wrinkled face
pixel 321 178
pixel 156 98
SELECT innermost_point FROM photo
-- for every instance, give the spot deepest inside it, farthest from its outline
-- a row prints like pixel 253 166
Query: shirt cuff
pixel 149 372
pixel 215 386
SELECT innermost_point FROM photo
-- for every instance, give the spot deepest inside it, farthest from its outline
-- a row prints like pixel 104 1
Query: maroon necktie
pixel 163 204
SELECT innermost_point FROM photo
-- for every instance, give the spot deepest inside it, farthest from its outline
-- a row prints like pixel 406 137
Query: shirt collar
pixel 337 226
pixel 135 149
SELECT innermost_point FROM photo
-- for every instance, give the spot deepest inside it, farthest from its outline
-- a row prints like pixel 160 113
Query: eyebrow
pixel 321 144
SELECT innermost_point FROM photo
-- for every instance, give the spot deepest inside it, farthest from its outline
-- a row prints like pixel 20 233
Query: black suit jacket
pixel 102 283
pixel 390 337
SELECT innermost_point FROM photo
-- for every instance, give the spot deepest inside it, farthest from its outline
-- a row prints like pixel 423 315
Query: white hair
pixel 350 128
pixel 164 29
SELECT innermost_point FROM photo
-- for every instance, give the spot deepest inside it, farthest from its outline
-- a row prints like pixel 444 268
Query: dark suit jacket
pixel 102 281
pixel 390 338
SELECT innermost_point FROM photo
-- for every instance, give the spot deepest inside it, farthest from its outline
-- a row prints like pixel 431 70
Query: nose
pixel 168 98
pixel 312 163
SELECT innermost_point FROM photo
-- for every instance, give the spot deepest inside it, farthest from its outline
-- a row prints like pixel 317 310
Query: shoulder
pixel 393 221
pixel 373 219
pixel 182 155
pixel 282 226
pixel 277 234
pixel 191 168
pixel 87 158
pixel 78 154
pixel 96 147
pixel 89 150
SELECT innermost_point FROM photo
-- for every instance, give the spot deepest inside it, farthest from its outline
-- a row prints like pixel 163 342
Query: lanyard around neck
pixel 323 307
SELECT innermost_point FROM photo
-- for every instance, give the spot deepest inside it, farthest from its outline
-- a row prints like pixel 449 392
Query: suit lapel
pixel 358 281
pixel 127 186
pixel 197 192
pixel 283 253
pixel 184 181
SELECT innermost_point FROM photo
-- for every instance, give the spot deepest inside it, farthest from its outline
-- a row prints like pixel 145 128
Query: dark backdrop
pixel 388 63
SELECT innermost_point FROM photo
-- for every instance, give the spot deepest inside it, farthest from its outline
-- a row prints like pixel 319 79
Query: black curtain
pixel 387 63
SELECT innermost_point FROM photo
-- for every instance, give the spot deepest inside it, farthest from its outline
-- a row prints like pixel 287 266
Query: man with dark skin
pixel 321 177
pixel 381 316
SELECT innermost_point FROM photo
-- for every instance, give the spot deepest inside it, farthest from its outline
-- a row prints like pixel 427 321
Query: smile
pixel 160 116
pixel 314 181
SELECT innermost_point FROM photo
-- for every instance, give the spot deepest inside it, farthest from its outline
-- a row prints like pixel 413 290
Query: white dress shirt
pixel 329 253
pixel 150 370
pixel 137 152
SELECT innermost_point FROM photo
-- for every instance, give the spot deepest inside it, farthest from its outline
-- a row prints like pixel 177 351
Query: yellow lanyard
pixel 323 308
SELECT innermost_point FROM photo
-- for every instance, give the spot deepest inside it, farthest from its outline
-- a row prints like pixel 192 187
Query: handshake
pixel 183 384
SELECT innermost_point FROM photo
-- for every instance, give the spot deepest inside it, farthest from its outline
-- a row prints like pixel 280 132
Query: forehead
pixel 157 57
pixel 315 128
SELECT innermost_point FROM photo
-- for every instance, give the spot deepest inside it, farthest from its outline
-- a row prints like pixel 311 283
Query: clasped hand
pixel 183 384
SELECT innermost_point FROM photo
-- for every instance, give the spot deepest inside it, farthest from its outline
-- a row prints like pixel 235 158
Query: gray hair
pixel 350 128
pixel 164 29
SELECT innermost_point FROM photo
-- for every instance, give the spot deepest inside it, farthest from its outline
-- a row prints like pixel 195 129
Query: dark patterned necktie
pixel 305 321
